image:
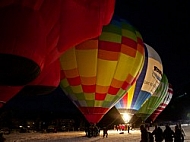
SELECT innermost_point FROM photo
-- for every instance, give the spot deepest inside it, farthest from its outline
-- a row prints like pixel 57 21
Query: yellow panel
pixel 68 60
pixel 123 67
pixel 137 64
pixel 77 89
pixel 87 62
pixel 89 96
pixel 130 95
pixel 105 73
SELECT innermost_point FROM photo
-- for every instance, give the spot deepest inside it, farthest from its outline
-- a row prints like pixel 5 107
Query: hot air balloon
pixel 154 101
pixel 163 105
pixel 145 85
pixel 31 30
pixel 96 73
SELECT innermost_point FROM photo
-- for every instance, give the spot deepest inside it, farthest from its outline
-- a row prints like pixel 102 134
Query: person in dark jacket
pixel 158 133
pixel 178 134
pixel 168 134
pixel 144 134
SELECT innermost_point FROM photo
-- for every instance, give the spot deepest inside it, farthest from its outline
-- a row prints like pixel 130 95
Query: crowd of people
pixel 158 135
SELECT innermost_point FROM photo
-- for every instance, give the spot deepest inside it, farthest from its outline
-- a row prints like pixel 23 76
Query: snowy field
pixel 79 136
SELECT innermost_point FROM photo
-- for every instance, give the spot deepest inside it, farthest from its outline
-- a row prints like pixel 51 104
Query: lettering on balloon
pixel 157 70
pixel 149 83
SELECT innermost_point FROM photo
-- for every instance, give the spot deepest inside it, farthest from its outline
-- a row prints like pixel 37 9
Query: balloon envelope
pixel 31 30
pixel 97 72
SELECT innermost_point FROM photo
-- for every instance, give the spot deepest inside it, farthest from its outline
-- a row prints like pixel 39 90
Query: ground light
pixel 126 117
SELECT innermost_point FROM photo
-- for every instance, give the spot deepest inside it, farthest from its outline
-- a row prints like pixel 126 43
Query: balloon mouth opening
pixel 17 70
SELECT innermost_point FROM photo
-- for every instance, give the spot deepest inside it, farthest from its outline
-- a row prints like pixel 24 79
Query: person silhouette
pixel 105 132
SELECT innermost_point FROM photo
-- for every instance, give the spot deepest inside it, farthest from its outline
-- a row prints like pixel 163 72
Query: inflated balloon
pixel 153 76
pixel 154 101
pixel 163 105
pixel 31 30
pixel 126 106
pixel 97 72
pixel 144 86
pixel 7 93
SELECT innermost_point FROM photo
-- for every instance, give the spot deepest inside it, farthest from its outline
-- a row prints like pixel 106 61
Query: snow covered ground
pixel 79 136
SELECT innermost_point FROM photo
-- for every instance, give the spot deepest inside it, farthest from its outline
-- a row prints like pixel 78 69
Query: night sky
pixel 164 26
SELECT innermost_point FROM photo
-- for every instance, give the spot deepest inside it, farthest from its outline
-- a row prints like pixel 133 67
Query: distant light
pixel 20 126
pixel 126 117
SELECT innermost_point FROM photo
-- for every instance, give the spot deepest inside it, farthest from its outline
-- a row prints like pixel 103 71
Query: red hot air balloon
pixel 33 29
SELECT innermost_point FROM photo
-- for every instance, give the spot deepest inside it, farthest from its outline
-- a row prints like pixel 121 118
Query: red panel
pixel 93 114
pixel 125 100
pixel 74 81
pixel 89 88
pixel 109 46
pixel 100 97
pixel 113 90
pixel 125 86
pixel 131 43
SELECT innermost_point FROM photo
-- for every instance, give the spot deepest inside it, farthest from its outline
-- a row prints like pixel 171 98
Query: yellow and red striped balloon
pixel 96 73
